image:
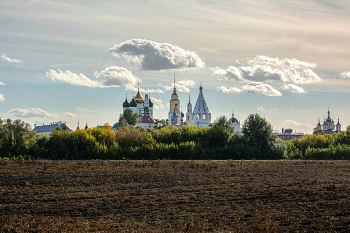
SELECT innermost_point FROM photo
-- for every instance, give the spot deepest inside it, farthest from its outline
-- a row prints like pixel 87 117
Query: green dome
pixel 150 103
pixel 126 104
pixel 133 103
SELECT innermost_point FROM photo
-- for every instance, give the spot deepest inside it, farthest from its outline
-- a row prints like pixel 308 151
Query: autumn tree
pixel 129 116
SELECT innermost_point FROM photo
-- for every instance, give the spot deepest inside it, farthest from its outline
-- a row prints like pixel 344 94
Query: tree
pixel 347 127
pixel 318 131
pixel 221 132
pixel 260 136
pixel 160 123
pixel 129 116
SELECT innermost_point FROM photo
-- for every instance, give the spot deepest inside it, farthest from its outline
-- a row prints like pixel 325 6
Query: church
pixel 175 116
pixel 142 106
pixel 200 115
pixel 328 125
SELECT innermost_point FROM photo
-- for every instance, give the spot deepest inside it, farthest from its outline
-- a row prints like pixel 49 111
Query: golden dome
pixel 138 97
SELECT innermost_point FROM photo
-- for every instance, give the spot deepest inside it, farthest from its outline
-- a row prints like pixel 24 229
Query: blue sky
pixel 64 61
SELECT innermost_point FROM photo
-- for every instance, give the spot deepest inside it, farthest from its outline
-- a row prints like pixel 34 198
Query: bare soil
pixel 174 196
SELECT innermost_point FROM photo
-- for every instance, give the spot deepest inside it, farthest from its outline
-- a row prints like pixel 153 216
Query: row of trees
pixel 188 142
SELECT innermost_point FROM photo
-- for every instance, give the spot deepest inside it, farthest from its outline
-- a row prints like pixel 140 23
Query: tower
pixel 189 109
pixel 201 116
pixel 174 105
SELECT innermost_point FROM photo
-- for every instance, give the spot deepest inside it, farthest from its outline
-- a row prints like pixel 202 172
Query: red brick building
pixel 288 134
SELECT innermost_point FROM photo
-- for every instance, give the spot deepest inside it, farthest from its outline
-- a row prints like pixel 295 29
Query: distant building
pixel 328 126
pixel 47 129
pixel 146 120
pixel 236 124
pixel 137 104
pixel 288 134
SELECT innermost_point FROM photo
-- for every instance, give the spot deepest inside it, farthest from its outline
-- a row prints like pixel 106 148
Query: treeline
pixel 188 142
pixel 320 147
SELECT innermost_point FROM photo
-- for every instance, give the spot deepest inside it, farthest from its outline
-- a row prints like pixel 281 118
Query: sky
pixel 77 60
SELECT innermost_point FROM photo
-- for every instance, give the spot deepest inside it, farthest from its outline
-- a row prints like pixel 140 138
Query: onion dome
pixel 133 103
pixel 167 120
pixel 172 119
pixel 126 103
pixel 138 98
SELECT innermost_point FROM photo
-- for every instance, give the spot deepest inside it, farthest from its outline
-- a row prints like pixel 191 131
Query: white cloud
pixel 273 109
pixel 116 76
pixel 291 122
pixel 33 112
pixel 1 83
pixel 228 90
pixel 261 108
pixel 263 68
pixel 261 89
pixel 71 115
pixel 293 88
pixel 2 98
pixel 72 78
pixel 150 55
pixel 11 60
pixel 157 103
pixel 181 86
pixel 345 75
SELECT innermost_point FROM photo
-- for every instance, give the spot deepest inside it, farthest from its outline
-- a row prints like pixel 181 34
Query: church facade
pixel 175 116
pixel 200 114
pixel 328 125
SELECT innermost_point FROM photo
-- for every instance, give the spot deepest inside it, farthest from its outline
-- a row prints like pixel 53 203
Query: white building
pixel 328 125
pixel 174 114
pixel 200 116
pixel 48 129
pixel 236 124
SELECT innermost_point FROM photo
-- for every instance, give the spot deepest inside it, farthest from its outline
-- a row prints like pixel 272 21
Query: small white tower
pixel 201 117
pixel 189 109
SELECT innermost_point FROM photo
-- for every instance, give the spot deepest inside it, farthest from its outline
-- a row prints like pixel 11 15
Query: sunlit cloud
pixel 181 86
pixel 11 60
pixel 229 90
pixel 32 112
pixel 261 89
pixel 71 115
pixel 293 88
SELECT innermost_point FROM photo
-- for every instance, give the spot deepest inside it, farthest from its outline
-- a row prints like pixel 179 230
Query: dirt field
pixel 174 196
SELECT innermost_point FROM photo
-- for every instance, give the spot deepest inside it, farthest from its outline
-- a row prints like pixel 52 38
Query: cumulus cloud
pixel 11 60
pixel 345 75
pixel 293 88
pixel 229 90
pixel 72 78
pixel 181 86
pixel 263 68
pixel 33 112
pixel 261 89
pixel 135 89
pixel 116 76
pixel 1 83
pixel 261 108
pixel 2 98
pixel 71 115
pixel 157 103
pixel 150 55
pixel 113 76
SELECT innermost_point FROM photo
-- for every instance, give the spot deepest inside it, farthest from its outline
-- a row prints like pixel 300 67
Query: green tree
pixel 160 123
pixel 318 131
pixel 260 136
pixel 129 116
pixel 347 127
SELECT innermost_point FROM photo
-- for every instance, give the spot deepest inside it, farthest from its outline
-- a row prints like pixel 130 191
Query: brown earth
pixel 174 196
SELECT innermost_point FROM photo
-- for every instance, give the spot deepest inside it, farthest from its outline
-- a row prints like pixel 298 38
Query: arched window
pixel 198 116
pixel 204 116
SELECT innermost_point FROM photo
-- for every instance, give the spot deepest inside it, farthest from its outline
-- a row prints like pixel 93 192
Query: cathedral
pixel 200 116
pixel 328 125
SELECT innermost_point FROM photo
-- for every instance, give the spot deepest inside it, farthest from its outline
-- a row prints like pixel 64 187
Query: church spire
pixel 329 113
pixel 174 82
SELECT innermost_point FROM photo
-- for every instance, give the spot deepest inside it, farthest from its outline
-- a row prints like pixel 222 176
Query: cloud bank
pixel 263 68
pixel 181 86
pixel 33 112
pixel 11 60
pixel 113 76
pixel 298 124
pixel 2 98
pixel 157 103
pixel 150 55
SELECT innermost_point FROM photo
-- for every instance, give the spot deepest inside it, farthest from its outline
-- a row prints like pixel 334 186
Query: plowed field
pixel 174 196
